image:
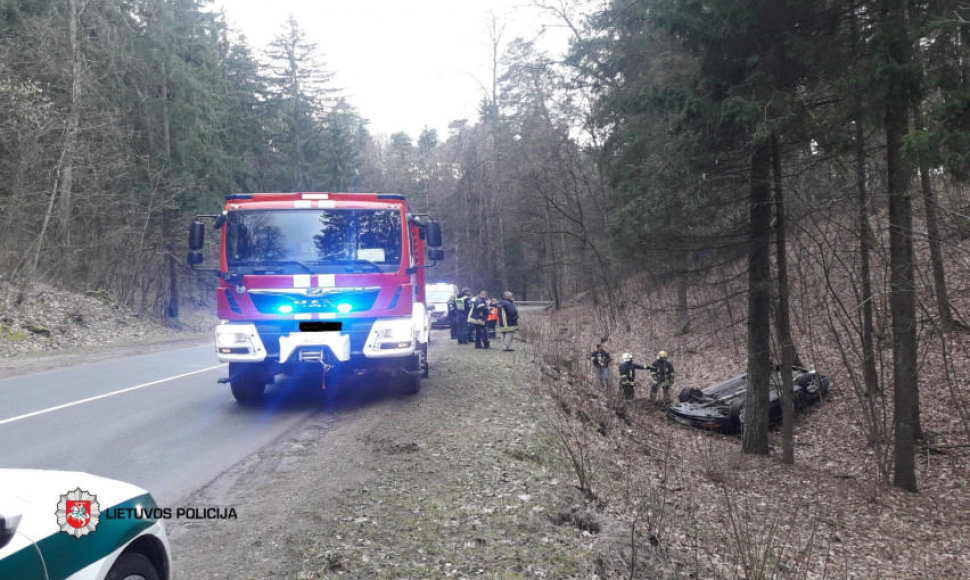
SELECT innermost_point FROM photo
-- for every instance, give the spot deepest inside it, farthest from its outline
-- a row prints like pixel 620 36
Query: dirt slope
pixel 42 327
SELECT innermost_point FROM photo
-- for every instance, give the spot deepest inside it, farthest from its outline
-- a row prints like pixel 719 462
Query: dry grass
pixel 470 484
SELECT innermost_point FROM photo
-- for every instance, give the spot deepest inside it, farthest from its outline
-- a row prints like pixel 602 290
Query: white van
pixel 437 295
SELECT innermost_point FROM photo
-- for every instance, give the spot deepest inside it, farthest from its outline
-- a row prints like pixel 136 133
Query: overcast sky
pixel 405 64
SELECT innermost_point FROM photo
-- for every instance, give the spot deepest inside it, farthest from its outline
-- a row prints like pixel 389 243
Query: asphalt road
pixel 158 420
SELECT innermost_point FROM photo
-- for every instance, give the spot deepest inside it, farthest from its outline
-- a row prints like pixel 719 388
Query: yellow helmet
pixel 627 356
pixel 662 354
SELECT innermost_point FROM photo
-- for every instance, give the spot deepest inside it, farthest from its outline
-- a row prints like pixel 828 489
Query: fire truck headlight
pixel 239 342
pixel 391 334
pixel 399 329
pixel 232 339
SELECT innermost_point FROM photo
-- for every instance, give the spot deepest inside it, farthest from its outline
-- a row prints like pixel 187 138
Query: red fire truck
pixel 331 280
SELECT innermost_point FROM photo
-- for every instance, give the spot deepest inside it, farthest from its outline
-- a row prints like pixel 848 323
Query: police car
pixel 64 524
pixel 437 296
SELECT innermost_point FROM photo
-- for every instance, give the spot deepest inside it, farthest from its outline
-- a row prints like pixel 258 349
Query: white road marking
pixel 106 395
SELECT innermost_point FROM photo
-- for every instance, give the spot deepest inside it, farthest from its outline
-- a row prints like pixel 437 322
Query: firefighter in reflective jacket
pixel 478 316
pixel 508 320
pixel 663 375
pixel 628 375
pixel 462 305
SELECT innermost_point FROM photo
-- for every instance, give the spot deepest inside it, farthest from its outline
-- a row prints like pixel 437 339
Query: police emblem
pixel 78 513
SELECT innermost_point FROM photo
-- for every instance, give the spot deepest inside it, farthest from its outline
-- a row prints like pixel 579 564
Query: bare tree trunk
pixel 503 270
pixel 783 320
pixel 550 251
pixel 870 375
pixel 173 279
pixel 683 307
pixel 933 235
pixel 73 123
pixel 42 234
pixel 755 436
pixel 902 286
pixel 63 185
pixel 166 122
pixel 172 310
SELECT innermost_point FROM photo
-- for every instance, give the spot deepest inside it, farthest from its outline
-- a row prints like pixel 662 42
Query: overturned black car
pixel 721 406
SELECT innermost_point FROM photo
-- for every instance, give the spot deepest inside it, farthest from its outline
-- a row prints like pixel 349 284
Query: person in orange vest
pixel 492 317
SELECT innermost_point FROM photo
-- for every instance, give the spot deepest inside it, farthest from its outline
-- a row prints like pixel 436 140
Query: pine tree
pixel 297 99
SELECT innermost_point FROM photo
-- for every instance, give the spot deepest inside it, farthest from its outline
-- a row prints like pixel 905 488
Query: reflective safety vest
pixel 461 303
pixel 493 314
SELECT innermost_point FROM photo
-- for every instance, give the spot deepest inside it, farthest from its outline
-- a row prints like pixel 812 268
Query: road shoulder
pixel 461 479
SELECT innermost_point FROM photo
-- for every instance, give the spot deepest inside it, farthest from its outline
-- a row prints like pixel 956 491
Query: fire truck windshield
pixel 314 240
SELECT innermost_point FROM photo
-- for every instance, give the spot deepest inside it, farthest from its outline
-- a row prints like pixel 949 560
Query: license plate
pixel 321 326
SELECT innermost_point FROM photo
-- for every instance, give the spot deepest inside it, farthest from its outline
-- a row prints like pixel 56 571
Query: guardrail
pixel 533 303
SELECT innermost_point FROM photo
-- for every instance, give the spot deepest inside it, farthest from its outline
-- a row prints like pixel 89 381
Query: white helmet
pixel 627 356
pixel 662 354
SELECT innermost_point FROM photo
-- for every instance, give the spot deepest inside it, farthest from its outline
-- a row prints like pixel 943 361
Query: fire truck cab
pixel 332 280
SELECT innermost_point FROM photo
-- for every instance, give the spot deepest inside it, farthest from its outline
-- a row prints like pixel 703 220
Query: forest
pixel 764 156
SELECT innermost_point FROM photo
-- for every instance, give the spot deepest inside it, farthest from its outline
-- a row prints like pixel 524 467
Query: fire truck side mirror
pixel 436 254
pixel 432 235
pixel 195 258
pixel 196 235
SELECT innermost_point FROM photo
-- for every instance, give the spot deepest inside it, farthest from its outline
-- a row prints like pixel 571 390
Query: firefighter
pixel 663 375
pixel 478 318
pixel 508 320
pixel 463 304
pixel 628 375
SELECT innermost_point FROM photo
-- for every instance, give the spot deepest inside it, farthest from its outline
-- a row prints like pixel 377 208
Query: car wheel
pixel 246 383
pixel 132 566
pixel 412 384
pixel 814 386
pixel 689 394
pixel 736 413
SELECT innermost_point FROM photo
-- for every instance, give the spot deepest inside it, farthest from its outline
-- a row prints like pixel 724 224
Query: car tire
pixel 132 566
pixel 246 382
pixel 736 413
pixel 689 394
pixel 412 384
pixel 812 386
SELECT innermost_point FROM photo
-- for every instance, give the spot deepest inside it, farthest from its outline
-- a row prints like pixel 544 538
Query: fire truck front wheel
pixel 412 384
pixel 247 381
